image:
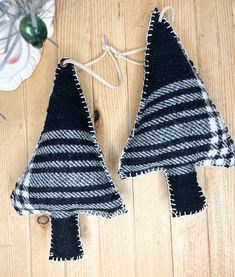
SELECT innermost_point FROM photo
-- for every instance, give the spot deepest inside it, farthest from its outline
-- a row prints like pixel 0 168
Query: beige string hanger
pixel 115 55
pixel 164 10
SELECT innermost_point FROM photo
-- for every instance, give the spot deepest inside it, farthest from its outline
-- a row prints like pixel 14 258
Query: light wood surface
pixel 146 242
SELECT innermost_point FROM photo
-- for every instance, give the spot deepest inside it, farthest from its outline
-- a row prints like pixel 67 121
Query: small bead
pixel 33 35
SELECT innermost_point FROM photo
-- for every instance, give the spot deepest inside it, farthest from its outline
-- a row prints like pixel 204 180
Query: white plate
pixel 20 67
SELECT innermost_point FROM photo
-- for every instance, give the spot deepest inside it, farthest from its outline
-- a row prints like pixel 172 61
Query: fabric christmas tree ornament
pixel 177 126
pixel 67 174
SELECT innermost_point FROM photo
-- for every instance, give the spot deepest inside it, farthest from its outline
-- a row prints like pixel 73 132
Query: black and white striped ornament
pixel 67 175
pixel 177 126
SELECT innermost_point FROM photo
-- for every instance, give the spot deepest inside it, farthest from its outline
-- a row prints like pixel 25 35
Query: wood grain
pixel 146 242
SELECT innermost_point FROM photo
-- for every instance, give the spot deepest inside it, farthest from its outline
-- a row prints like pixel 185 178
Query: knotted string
pixel 114 55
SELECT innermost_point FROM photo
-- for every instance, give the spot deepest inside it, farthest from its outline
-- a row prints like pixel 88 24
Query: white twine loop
pixel 164 11
pixel 114 55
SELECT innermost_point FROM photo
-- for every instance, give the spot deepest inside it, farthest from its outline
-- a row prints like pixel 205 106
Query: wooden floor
pixel 146 242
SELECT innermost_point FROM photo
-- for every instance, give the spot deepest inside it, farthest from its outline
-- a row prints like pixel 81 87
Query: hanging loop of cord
pixel 114 55
pixel 86 68
pixel 164 11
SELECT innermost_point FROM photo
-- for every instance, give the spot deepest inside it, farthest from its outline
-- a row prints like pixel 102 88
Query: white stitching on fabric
pixel 28 211
pixel 174 211
pixel 80 245
pixel 200 83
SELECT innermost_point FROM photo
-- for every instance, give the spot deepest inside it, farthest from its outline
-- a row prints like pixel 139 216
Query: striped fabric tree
pixel 177 127
pixel 67 174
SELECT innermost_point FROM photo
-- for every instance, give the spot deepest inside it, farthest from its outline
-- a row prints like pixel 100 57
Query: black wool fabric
pixel 64 238
pixel 67 174
pixel 177 126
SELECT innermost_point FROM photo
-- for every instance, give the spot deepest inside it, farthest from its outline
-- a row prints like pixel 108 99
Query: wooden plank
pixel 38 88
pixel 14 229
pixel 227 55
pixel 217 45
pixel 73 33
pixel 190 254
pixel 116 236
pixel 153 255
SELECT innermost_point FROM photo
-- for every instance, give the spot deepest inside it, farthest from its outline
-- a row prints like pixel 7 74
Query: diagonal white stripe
pixel 56 149
pixel 189 83
pixel 106 205
pixel 171 102
pixel 61 164
pixel 170 117
pixel 169 149
pixel 175 161
pixel 63 134
pixel 170 133
pixel 72 194
pixel 68 179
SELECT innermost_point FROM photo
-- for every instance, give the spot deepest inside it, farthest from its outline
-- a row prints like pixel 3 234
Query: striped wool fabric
pixel 67 174
pixel 177 126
